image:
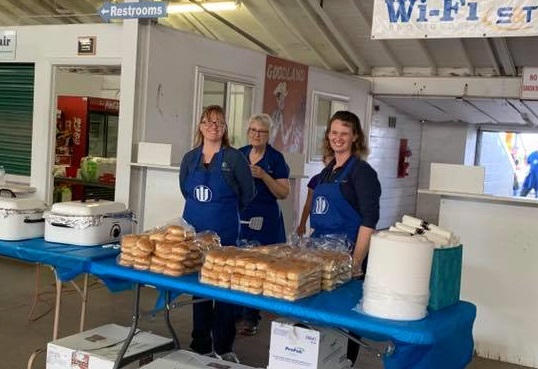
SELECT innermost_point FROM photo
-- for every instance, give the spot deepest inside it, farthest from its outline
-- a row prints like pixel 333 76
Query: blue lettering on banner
pixel 147 9
pixel 408 11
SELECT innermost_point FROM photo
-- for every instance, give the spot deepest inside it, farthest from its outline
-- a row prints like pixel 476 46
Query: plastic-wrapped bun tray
pixel 87 223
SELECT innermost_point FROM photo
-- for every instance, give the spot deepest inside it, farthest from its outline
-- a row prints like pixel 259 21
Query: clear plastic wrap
pixel 173 249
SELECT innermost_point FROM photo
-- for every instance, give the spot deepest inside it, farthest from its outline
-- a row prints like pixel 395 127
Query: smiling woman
pixel 215 179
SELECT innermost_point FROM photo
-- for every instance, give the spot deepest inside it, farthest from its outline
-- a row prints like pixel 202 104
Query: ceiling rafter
pixel 237 29
pixel 200 27
pixel 384 45
pixel 491 55
pixel 7 16
pixel 505 56
pixel 52 8
pixel 284 19
pixel 35 11
pixel 251 9
pixel 317 15
pixel 424 48
pixel 466 57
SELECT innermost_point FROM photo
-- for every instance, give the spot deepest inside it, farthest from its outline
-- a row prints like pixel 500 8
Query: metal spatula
pixel 255 223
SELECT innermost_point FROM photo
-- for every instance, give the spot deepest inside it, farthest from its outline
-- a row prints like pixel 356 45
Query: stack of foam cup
pixel 397 281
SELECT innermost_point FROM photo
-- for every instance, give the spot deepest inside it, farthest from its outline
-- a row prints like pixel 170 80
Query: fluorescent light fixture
pixel 214 6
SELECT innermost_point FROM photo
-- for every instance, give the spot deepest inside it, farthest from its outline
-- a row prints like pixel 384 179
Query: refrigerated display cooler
pixel 85 127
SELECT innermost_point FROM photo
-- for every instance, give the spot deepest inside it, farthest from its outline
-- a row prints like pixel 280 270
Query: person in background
pixel 271 178
pixel 531 180
pixel 301 228
pixel 346 199
pixel 217 183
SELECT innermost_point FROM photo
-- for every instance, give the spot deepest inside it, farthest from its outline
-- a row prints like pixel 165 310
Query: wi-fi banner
pixel 393 19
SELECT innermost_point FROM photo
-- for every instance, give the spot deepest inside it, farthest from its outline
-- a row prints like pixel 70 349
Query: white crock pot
pixel 87 223
pixel 21 218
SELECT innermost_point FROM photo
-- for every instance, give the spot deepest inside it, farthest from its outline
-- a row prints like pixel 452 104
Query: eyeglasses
pixel 215 123
pixel 257 131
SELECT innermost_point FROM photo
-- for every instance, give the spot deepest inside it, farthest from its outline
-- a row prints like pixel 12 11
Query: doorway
pixel 86 107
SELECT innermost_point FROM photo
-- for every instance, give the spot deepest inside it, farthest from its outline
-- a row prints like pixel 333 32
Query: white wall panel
pixel 398 194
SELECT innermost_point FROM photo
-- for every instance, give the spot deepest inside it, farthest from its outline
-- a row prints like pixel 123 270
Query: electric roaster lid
pixel 8 201
pixel 88 208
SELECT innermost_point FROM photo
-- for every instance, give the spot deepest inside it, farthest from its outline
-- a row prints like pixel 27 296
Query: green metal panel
pixel 16 113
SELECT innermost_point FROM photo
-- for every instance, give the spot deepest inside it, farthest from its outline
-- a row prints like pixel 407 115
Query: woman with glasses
pixel 217 183
pixel 271 174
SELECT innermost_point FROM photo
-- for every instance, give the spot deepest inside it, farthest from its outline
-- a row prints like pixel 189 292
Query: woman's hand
pixel 257 171
pixel 356 269
pixel 301 230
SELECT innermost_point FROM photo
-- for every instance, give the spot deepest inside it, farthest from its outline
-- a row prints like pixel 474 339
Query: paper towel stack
pixel 439 236
pixel 397 281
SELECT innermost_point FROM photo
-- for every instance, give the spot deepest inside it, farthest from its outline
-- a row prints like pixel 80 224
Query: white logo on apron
pixel 202 193
pixel 321 205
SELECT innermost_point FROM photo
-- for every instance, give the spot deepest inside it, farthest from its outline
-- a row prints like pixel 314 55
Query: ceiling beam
pixel 505 56
pixel 318 16
pixel 200 27
pixel 424 48
pixel 7 16
pixel 491 55
pixel 251 7
pixel 466 57
pixel 291 27
pixel 501 87
pixel 382 43
pixel 235 28
pixel 35 11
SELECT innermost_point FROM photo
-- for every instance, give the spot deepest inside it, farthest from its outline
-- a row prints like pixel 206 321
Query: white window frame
pixel 314 140
pixel 217 75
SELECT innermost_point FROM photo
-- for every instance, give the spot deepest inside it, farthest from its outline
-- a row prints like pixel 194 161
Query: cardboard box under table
pixel 445 278
pixel 299 347
pixel 98 348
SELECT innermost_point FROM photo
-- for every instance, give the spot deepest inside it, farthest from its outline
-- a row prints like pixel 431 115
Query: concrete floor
pixel 21 335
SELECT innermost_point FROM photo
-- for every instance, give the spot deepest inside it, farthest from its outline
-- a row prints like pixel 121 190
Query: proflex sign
pixel 8 44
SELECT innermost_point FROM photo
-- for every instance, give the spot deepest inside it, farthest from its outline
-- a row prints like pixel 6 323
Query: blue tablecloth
pixel 443 340
pixel 68 260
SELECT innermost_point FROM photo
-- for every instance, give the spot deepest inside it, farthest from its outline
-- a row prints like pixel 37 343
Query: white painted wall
pixel 398 194
pixel 441 143
pixel 173 59
pixel 499 273
pixel 85 84
pixel 46 46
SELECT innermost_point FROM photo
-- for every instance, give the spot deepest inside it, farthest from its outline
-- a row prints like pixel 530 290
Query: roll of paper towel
pixel 397 280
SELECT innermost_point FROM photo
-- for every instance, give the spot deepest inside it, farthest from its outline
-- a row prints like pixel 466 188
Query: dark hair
pixel 359 147
pixel 219 112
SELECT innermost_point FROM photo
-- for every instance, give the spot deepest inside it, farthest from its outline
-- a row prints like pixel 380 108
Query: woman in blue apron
pixel 346 199
pixel 216 182
pixel 271 174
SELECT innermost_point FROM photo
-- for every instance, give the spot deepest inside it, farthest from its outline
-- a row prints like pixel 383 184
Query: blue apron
pixel 331 213
pixel 266 206
pixel 211 204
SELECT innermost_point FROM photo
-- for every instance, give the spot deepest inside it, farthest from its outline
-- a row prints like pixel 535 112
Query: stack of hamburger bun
pixel 173 250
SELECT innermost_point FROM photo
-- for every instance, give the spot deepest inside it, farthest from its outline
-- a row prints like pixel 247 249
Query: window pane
pixel 240 110
pixel 214 93
pixel 325 106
